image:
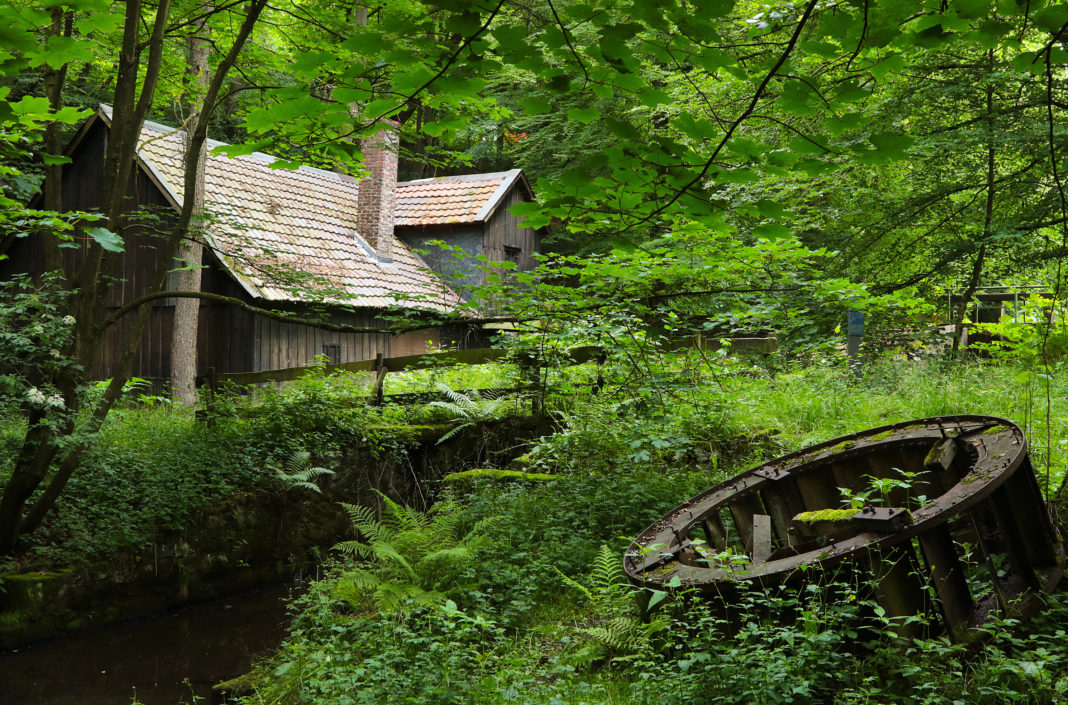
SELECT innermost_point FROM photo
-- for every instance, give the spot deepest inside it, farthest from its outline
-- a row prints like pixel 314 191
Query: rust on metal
pixel 950 506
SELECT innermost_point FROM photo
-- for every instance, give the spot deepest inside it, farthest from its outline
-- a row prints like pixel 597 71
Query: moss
pixel 407 432
pixel 36 576
pixel 11 620
pixel 826 515
pixel 495 474
pixel 242 685
pixel 993 430
pixel 882 436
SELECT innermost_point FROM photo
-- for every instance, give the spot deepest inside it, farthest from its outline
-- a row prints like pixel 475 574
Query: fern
pixel 608 589
pixel 607 576
pixel 625 636
pixel 619 633
pixel 297 471
pixel 467 409
pixel 408 558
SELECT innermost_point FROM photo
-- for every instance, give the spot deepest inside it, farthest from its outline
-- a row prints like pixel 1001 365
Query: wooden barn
pixel 303 240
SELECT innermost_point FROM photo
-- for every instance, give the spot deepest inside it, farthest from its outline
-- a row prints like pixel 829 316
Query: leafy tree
pixel 699 138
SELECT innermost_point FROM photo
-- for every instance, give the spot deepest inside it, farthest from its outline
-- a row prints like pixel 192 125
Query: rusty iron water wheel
pixel 949 503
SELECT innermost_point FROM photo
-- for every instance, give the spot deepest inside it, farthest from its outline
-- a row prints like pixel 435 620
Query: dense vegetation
pixel 705 168
pixel 510 589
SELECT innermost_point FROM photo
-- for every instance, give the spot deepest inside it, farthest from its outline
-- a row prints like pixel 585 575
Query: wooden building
pixel 303 240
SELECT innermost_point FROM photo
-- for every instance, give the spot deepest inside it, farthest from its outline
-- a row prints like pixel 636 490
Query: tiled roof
pixel 452 200
pixel 290 235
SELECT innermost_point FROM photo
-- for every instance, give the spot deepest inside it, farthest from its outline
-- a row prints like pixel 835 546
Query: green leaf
pixel 310 62
pixel 1029 62
pixel 536 105
pixel 840 125
pixel 98 22
pixel 655 598
pixel 738 176
pixel 58 51
pixel 772 231
pixel 808 145
pixel 814 167
pixel 377 108
pixel 106 239
pixel 583 115
pixel 850 93
pixel 603 91
pixel 1051 18
pixel 510 36
pixel 892 63
pixel 891 144
pixel 770 209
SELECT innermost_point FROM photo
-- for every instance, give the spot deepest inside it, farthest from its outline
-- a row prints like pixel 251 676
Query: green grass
pixel 622 459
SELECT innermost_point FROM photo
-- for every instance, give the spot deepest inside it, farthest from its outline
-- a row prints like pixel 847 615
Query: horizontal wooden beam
pixel 481 356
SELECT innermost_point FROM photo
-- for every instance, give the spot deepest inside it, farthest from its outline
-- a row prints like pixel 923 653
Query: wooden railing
pixel 528 363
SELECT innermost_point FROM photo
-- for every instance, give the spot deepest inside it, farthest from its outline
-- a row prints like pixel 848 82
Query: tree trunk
pixel 988 214
pixel 43 441
pixel 191 252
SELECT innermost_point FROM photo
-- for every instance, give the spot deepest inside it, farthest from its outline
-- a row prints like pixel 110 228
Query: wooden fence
pixel 529 363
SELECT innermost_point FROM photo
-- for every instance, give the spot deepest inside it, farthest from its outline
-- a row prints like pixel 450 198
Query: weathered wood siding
pixel 414 342
pixel 502 230
pixel 230 339
pixel 277 345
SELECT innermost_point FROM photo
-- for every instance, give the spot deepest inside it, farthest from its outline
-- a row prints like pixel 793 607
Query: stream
pixel 165 659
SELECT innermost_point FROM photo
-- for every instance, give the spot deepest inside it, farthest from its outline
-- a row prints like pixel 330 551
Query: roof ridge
pixel 481 176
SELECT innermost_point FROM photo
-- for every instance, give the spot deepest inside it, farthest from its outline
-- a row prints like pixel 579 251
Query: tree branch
pixel 809 8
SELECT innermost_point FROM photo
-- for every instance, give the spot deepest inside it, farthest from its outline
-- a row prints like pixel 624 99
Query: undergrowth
pixel 544 616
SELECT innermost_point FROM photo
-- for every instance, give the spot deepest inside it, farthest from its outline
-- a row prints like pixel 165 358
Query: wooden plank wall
pixel 229 339
pixel 277 345
pixel 503 229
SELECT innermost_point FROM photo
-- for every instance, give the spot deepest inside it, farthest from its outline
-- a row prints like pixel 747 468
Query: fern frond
pixel 575 584
pixel 385 553
pixel 354 548
pixel 399 516
pixel 357 586
pixel 443 559
pixel 453 431
pixel 365 522
pixel 297 460
pixel 607 574
pixel 444 528
pixel 623 635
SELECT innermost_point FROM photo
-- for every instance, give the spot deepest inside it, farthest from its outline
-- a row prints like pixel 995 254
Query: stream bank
pixel 260 536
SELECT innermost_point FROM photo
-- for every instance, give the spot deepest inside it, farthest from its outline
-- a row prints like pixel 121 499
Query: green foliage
pixel 151 472
pixel 433 656
pixel 34 339
pixel 467 409
pixel 411 559
pixel 297 471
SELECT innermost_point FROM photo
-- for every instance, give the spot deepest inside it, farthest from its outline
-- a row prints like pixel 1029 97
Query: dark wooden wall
pixel 230 339
pixel 503 229
pixel 277 345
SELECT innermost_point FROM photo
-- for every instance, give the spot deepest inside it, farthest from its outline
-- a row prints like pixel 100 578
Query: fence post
pixel 528 379
pixel 377 396
pixel 213 388
pixel 855 330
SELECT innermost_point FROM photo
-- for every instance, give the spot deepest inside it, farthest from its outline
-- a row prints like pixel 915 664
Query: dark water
pixel 163 660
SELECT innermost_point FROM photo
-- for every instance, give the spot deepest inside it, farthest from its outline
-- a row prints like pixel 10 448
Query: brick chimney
pixel 378 190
